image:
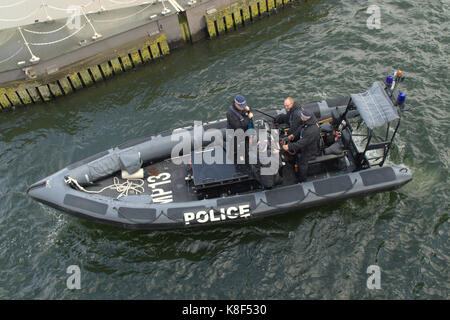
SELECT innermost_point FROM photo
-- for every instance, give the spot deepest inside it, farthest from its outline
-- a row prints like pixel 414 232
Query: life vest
pixel 238 114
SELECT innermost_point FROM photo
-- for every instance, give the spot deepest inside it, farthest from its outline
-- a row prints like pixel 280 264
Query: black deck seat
pixel 335 151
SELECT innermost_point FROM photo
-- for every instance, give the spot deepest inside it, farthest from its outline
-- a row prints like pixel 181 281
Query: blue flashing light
pixel 389 80
pixel 401 101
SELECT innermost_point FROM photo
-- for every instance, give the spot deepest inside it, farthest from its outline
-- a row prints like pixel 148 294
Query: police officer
pixel 307 146
pixel 239 115
pixel 292 118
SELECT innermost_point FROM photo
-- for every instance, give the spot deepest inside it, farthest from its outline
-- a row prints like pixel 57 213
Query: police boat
pixel 153 183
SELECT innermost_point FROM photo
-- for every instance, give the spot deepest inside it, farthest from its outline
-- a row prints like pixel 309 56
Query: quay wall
pixel 72 71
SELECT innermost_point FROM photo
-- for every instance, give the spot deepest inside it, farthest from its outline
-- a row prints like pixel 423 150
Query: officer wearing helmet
pixel 239 115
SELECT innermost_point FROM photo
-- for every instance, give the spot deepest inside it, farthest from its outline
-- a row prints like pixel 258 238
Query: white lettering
pixel 198 141
pixel 74 20
pixel 230 214
pixel 199 310
pixel 374 281
pixel 159 195
pixel 230 145
pixel 374 21
pixel 160 192
pixel 212 218
pixel 188 216
pixel 222 214
pixel 244 211
pixel 199 216
pixel 163 176
pixel 184 145
pixel 153 185
pixel 217 146
pixel 165 199
pixel 74 281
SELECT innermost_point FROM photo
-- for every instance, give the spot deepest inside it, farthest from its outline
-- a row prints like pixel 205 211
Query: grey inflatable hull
pixel 144 212
pixel 135 213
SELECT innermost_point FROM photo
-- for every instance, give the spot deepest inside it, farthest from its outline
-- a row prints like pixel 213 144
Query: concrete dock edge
pixel 106 58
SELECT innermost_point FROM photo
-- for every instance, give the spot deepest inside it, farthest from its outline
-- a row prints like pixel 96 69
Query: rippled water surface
pixel 312 51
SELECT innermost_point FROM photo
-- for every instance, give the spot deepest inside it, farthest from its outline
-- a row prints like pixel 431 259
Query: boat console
pixel 211 179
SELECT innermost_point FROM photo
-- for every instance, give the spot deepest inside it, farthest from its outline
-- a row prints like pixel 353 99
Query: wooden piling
pixel 54 89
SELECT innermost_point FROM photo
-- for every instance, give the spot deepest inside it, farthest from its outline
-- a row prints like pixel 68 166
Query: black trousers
pixel 302 162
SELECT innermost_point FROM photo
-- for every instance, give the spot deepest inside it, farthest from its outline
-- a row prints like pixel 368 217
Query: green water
pixel 312 51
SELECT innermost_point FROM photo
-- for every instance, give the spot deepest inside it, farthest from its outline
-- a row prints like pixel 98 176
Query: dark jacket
pixel 309 137
pixel 293 119
pixel 237 119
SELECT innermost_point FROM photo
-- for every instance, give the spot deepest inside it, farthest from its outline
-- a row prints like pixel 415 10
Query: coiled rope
pixel 122 188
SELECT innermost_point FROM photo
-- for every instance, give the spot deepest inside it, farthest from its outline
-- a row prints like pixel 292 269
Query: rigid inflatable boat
pixel 139 185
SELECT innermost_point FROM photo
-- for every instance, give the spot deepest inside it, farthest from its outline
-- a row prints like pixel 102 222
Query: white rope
pixel 122 3
pixel 70 9
pixel 33 57
pixel 56 41
pixel 165 10
pixel 176 5
pixel 15 54
pixel 60 9
pixel 14 4
pixel 96 35
pixel 6 35
pixel 20 19
pixel 47 32
pixel 123 18
pixel 46 12
pixel 122 188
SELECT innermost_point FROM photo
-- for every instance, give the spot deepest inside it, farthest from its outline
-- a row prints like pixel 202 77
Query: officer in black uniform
pixel 307 147
pixel 292 118
pixel 239 117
